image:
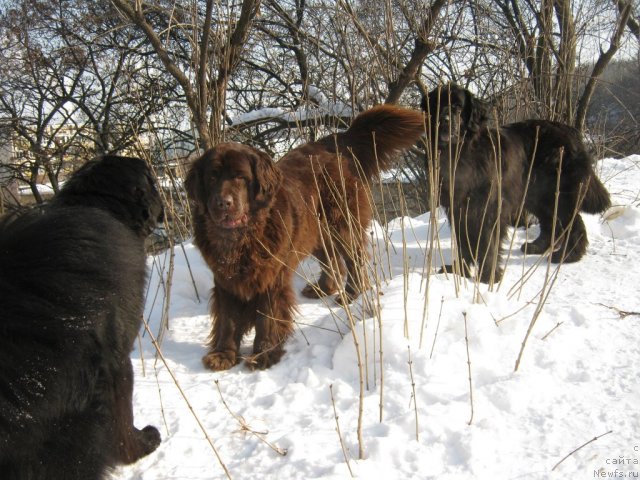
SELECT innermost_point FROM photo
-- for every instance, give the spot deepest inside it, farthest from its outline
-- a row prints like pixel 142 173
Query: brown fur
pixel 255 220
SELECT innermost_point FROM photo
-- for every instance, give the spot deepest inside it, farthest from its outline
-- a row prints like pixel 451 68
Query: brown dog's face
pixel 454 114
pixel 230 183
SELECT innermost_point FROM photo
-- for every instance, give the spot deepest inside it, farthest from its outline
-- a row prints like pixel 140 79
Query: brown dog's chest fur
pixel 248 261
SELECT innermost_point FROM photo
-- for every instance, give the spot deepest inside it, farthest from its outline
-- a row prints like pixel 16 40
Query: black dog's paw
pixel 150 439
pixel 533 248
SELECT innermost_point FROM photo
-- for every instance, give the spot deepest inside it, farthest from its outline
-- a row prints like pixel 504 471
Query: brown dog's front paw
pixel 218 361
pixel 265 359
pixel 346 298
pixel 314 290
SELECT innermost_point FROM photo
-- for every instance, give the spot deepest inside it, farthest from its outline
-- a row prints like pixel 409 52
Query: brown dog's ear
pixel 477 112
pixel 193 181
pixel 267 179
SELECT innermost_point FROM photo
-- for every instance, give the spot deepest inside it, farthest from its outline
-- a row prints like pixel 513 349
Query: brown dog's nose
pixel 225 202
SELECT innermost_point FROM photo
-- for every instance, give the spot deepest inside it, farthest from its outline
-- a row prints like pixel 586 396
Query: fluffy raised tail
pixel 376 134
pixel 596 199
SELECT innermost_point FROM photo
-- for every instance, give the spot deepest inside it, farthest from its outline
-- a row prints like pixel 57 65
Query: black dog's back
pixel 72 279
pixel 57 322
pixel 555 146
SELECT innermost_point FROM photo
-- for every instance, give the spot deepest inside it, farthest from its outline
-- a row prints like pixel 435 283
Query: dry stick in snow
pixel 382 214
pixel 580 447
pixel 435 336
pixel 405 279
pixel 621 313
pixel 363 279
pixel 335 415
pixel 356 343
pixel 544 292
pixel 413 394
pixel 552 330
pixel 521 210
pixel 466 339
pixel 184 397
pixel 378 317
pixel 162 411
pixel 434 238
pixel 155 372
pixel 246 428
pixel 164 322
pixel 193 280
pixel 550 279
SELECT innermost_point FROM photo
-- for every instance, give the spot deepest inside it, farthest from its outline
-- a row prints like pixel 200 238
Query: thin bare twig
pixel 246 428
pixel 184 397
pixel 552 330
pixel 621 313
pixel 466 339
pixel 335 415
pixel 580 447
pixel 413 394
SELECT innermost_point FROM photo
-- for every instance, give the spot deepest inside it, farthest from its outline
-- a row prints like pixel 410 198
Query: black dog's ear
pixel 267 178
pixel 424 103
pixel 477 112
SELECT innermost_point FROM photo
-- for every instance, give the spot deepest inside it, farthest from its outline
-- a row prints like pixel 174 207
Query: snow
pixel 323 107
pixel 577 386
pixel 43 188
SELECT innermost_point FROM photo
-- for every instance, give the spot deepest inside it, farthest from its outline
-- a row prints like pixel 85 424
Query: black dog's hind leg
pixel 478 243
pixel 573 244
pixel 542 243
pixel 488 243
pixel 462 260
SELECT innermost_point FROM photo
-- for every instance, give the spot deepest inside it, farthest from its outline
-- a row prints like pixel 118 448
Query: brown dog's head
pixel 454 114
pixel 230 183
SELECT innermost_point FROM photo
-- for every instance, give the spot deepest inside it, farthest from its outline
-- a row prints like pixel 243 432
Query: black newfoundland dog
pixel 490 177
pixel 72 279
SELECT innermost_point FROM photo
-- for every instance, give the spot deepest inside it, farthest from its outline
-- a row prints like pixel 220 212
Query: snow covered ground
pixel 578 381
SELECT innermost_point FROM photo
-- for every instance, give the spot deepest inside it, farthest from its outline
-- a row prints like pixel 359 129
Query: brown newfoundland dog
pixel 255 220
pixel 490 177
pixel 72 283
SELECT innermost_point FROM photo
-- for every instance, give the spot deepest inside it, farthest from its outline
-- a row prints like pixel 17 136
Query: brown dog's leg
pixel 352 246
pixel 131 443
pixel 327 284
pixel 227 330
pixel 274 324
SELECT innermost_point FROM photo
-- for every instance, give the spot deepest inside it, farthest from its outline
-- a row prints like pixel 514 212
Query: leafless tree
pixel 73 86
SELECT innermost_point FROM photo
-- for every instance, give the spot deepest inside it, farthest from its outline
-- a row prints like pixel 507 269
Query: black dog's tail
pixel 376 134
pixel 596 199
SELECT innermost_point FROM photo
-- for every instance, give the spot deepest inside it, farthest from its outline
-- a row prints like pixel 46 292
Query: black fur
pixel 484 173
pixel 72 278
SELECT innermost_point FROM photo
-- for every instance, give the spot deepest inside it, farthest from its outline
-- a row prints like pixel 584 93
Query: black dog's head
pixel 123 186
pixel 231 182
pixel 454 114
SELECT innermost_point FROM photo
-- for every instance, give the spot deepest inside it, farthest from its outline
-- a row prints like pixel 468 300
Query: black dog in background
pixel 487 176
pixel 72 279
